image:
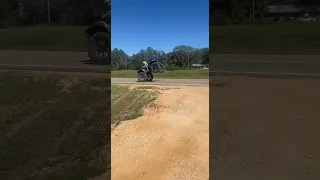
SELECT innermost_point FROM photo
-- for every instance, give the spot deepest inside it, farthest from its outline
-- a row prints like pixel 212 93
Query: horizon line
pixel 157 49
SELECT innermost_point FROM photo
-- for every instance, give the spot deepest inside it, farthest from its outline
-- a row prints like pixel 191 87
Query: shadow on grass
pixel 53 126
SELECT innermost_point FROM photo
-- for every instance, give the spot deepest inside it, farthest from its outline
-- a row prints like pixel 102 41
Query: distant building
pixel 200 66
pixel 282 9
pixel 278 13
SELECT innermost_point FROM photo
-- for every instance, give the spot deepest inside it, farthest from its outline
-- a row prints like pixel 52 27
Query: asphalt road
pixel 164 82
pixel 48 61
pixel 220 64
pixel 265 65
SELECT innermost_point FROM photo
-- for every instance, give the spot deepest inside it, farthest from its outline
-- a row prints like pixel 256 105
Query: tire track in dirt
pixel 169 142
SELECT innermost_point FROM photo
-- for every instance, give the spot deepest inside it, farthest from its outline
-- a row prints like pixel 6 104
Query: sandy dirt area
pixel 170 142
pixel 263 129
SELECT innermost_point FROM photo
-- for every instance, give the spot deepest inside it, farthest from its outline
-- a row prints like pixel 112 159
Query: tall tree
pixel 184 55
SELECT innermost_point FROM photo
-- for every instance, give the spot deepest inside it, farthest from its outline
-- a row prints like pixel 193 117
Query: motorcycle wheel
pixel 149 76
pixel 161 68
pixel 99 48
pixel 142 76
pixel 154 67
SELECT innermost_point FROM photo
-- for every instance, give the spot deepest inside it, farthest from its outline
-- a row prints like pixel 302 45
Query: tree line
pixel 181 57
pixel 224 12
pixel 56 12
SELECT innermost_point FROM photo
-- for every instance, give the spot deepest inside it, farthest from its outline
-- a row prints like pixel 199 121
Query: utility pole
pixel 49 16
pixel 20 8
pixel 253 11
pixel 125 61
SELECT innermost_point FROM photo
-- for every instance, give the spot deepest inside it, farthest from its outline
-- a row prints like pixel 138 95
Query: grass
pixel 127 103
pixel 178 74
pixel 294 38
pixel 53 126
pixel 289 38
pixel 63 38
pixel 56 125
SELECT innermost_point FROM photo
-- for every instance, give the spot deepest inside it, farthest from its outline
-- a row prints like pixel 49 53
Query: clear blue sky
pixel 160 24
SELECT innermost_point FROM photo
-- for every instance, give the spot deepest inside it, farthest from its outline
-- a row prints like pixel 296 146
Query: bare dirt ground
pixel 170 142
pixel 264 129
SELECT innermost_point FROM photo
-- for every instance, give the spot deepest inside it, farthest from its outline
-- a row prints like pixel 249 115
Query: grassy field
pixel 276 38
pixel 127 103
pixel 43 38
pixel 178 74
pixel 296 38
pixel 53 126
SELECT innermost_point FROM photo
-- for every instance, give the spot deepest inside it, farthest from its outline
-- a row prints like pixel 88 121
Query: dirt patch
pixel 265 129
pixel 171 140
pixel 67 83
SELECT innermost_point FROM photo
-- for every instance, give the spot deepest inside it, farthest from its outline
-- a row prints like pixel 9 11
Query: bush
pixel 9 22
pixel 219 19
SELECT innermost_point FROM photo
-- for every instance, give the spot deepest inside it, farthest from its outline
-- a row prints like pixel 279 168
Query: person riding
pixel 152 60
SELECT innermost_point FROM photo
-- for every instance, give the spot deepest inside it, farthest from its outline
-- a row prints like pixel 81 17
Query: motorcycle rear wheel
pixel 142 76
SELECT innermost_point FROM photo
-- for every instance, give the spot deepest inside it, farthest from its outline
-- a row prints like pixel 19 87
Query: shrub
pixel 219 19
pixel 9 22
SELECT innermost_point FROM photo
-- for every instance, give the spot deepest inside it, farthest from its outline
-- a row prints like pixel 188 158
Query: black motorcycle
pixel 99 40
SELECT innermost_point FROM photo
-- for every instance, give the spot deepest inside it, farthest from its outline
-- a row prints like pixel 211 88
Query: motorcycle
pixel 99 39
pixel 147 70
pixel 156 67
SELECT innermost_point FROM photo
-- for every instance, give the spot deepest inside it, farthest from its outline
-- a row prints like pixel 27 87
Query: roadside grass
pixel 128 103
pixel 177 74
pixel 53 126
pixel 283 38
pixel 50 38
pixel 288 38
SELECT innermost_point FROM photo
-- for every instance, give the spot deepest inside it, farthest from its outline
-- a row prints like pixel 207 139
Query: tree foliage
pixel 224 12
pixel 62 12
pixel 181 57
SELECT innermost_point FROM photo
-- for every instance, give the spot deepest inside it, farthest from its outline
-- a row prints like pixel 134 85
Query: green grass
pixel 53 126
pixel 44 38
pixel 128 103
pixel 302 38
pixel 178 74
pixel 297 38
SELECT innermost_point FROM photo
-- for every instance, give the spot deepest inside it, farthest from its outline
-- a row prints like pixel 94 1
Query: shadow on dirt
pixel 146 82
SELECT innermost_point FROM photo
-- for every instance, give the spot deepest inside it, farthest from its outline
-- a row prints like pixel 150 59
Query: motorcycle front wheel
pixel 157 67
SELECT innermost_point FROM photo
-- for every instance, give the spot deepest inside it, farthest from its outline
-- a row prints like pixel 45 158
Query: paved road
pixel 266 65
pixel 166 82
pixel 222 64
pixel 48 61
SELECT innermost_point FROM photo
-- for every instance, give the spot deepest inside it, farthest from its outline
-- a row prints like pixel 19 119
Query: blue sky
pixel 160 24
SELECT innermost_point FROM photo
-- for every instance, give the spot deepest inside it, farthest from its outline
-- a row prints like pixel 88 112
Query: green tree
pixel 180 57
pixel 119 59
pixel 184 55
